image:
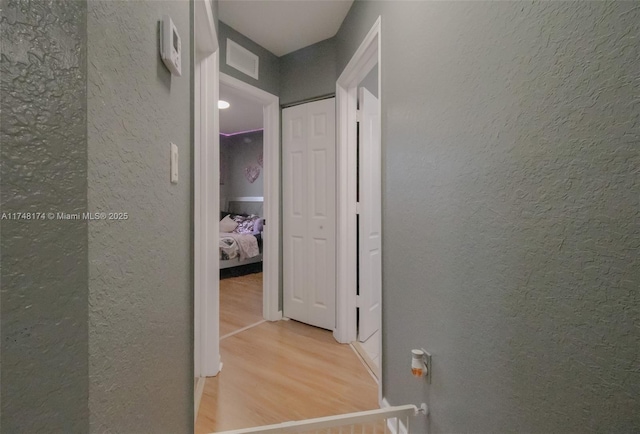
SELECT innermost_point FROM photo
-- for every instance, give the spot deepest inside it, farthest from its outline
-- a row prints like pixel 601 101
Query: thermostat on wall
pixel 170 47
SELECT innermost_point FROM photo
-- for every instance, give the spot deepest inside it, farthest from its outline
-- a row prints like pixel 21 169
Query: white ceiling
pixel 243 114
pixel 283 26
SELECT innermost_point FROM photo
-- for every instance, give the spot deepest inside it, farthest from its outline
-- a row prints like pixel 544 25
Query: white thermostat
pixel 170 46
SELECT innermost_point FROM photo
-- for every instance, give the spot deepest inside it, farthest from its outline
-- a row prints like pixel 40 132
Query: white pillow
pixel 227 224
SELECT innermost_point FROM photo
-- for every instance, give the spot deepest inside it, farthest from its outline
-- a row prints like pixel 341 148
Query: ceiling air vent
pixel 242 59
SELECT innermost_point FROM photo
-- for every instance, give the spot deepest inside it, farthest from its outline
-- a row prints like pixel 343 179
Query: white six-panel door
pixel 309 220
pixel 370 242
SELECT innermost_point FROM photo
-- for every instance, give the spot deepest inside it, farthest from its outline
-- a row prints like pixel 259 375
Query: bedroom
pixel 241 183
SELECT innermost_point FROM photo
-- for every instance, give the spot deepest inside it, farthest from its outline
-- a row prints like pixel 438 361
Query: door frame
pixel 205 191
pixel 365 57
pixel 271 233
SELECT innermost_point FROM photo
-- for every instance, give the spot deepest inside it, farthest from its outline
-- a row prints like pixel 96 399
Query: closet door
pixel 309 220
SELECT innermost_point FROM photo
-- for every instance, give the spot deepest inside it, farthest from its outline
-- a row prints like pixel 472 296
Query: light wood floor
pixel 240 302
pixel 281 371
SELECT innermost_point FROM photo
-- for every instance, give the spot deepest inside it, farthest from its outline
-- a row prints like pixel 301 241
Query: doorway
pixel 206 211
pixel 242 172
pixel 270 170
pixel 207 198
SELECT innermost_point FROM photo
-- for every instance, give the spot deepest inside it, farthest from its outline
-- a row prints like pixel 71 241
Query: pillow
pixel 258 225
pixel 245 224
pixel 227 224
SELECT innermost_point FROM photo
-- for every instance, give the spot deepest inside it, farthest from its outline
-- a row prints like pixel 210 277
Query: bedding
pixel 240 246
pixel 240 242
pixel 247 224
pixel 227 224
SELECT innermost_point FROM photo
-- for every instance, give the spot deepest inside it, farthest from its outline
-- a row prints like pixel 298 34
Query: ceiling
pixel 283 26
pixel 243 114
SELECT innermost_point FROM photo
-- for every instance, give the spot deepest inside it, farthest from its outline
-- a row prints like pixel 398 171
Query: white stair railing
pixel 385 420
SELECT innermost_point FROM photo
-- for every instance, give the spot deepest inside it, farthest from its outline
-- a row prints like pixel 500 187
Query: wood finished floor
pixel 280 371
pixel 240 302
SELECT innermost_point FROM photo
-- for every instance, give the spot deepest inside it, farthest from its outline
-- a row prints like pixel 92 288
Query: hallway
pixel 278 371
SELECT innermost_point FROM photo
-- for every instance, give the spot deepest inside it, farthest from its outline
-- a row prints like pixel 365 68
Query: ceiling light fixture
pixel 223 104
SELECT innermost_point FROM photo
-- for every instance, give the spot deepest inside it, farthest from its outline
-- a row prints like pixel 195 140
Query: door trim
pixel 365 57
pixel 271 151
pixel 206 191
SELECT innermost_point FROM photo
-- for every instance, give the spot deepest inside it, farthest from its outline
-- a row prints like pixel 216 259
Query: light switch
pixel 174 163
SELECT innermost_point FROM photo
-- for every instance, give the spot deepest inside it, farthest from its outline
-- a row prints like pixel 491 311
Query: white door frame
pixel 271 152
pixel 367 55
pixel 206 194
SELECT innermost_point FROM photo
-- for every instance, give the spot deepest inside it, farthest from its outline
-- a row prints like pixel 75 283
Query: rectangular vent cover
pixel 242 59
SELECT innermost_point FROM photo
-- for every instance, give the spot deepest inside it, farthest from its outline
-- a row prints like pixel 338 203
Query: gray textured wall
pixel 268 69
pixel 511 136
pixel 43 168
pixel 240 151
pixel 308 73
pixel 140 270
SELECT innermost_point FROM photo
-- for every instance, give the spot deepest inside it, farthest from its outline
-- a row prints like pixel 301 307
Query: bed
pixel 241 234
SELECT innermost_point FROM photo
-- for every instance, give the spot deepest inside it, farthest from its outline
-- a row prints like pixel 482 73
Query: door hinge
pixel 358 115
pixel 358 301
pixel 357 208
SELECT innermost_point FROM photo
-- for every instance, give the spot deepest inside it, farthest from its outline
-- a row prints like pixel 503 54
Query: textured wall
pixel 308 73
pixel 44 262
pixel 268 68
pixel 511 135
pixel 239 152
pixel 140 270
pixel 370 82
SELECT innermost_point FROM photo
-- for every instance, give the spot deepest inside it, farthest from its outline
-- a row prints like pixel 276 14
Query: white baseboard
pixel 366 358
pixel 364 362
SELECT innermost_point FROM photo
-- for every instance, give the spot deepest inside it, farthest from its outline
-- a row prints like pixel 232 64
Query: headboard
pixel 246 205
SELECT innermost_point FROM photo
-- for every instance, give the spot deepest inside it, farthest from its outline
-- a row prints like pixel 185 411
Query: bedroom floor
pixel 240 302
pixel 277 371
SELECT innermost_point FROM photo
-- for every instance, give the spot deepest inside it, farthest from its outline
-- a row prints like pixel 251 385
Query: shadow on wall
pixel 164 75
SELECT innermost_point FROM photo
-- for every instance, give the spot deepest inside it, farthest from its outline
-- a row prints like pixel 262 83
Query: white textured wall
pixel 511 147
pixel 140 270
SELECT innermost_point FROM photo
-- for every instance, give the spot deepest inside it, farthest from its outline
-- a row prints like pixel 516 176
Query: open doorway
pixel 207 200
pixel 242 219
pixel 254 172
